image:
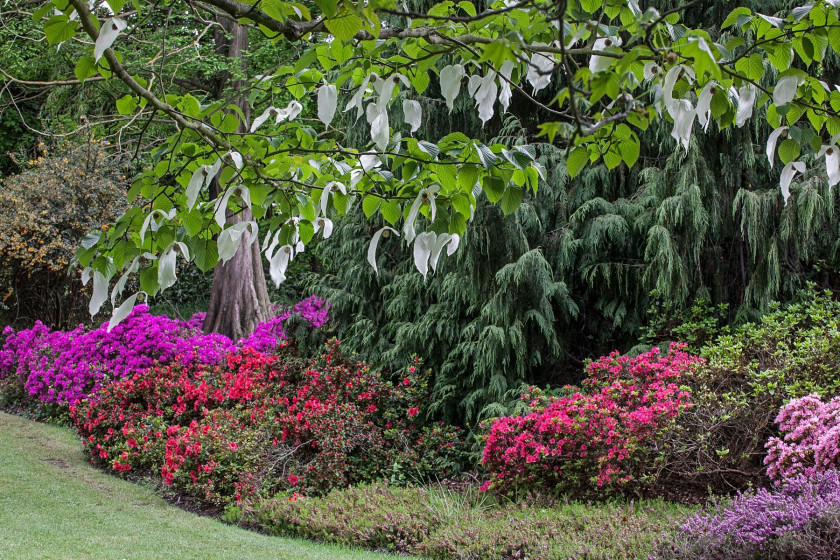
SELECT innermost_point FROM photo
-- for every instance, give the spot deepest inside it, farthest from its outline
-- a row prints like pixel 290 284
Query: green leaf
pixel 344 25
pixel 390 211
pixel 370 204
pixel 577 160
pixel 511 200
pixel 59 29
pixel 205 253
pixel 193 222
pixel 752 67
pixel 494 188
pixel 328 7
pixel 461 203
pixel 733 16
pixel 85 68
pixel 230 123
pixel 629 151
pixel 612 159
pixel 789 150
pixel 149 280
pixel 126 104
pixel 116 5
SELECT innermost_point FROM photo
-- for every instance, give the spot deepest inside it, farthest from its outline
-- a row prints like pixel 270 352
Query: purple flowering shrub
pixel 63 367
pixel 798 519
pixel 811 438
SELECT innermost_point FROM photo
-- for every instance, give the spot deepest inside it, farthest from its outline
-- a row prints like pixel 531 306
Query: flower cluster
pixel 61 367
pixel 257 424
pixel 797 519
pixel 811 442
pixel 598 436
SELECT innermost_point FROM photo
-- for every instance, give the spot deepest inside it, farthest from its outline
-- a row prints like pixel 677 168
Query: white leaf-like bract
pixel 671 78
pixel 120 285
pixel 197 181
pixel 108 33
pixel 236 158
pixel 369 161
pixel 229 240
pixel 221 207
pixel 413 114
pixel 327 100
pixel 166 268
pixel 746 99
pixel 771 143
pixel 485 95
pixel 442 240
pixel 325 224
pixel 291 111
pixel 683 114
pixel 385 88
pixel 832 163
pixel 100 290
pixel 603 44
pixel 788 172
pixel 358 97
pixel 423 245
pixel 540 68
pixel 505 92
pixel 785 90
pixel 325 194
pixel 262 118
pixel 122 311
pixel 278 263
pixel 377 116
pixel 704 102
pixel 450 82
pixel 374 242
pixel 651 71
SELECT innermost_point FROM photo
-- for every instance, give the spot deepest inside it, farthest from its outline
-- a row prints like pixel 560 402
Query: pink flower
pixel 412 412
pixel 293 480
pixel 406 381
pixel 232 445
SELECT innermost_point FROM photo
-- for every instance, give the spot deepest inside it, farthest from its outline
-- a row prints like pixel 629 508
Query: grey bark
pixel 239 295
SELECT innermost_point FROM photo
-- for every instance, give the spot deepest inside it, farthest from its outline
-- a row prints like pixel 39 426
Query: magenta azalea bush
pixel 811 439
pixel 62 367
pixel 797 519
pixel 597 437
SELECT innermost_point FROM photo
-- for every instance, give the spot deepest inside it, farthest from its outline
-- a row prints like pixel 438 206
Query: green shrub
pixel 435 522
pixel 792 352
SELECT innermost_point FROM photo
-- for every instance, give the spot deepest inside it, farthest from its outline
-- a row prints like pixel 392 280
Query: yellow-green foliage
pixel 44 214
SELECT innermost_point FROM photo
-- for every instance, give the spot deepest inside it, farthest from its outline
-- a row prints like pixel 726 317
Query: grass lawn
pixel 54 505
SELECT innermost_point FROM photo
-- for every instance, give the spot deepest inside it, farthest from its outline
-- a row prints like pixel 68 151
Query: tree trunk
pixel 239 295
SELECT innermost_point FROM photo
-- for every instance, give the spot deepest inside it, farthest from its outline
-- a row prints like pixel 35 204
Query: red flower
pixel 232 445
pixel 293 480
pixel 406 381
pixel 412 412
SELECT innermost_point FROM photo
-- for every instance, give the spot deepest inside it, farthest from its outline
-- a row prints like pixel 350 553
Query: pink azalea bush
pixel 63 367
pixel 595 437
pixel 811 439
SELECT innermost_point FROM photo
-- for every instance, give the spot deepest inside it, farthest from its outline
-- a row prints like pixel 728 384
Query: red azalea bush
pixel 597 437
pixel 258 424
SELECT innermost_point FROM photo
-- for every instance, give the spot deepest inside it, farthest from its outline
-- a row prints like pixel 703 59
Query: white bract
pixel 771 143
pixel 540 68
pixel 450 82
pixel 374 242
pixel 788 172
pixel 327 101
pixel 108 33
pixel 413 114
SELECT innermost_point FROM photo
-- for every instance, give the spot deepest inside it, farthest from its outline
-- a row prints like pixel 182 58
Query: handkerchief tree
pixel 597 72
